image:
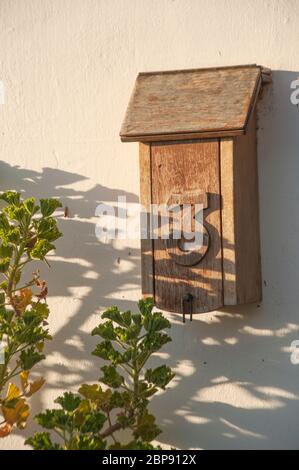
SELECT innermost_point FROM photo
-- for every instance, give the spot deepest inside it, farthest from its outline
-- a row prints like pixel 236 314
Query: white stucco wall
pixel 68 67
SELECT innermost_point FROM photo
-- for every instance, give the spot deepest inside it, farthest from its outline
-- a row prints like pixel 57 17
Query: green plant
pixel 27 232
pixel 90 418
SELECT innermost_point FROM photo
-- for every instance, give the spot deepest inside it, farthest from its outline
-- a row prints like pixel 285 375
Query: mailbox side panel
pixel 248 260
pixel 228 222
pixel 240 218
pixel 147 261
pixel 179 168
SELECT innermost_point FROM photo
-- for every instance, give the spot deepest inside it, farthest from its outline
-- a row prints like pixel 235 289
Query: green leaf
pixel 42 441
pixel 47 229
pixel 13 235
pixel 51 419
pixel 119 399
pixel 159 322
pixel 11 197
pixel 146 430
pixel 2 298
pixel 4 224
pixel 125 421
pixel 111 377
pixel 161 376
pixel 18 213
pixel 30 206
pixel 106 351
pixel 6 251
pixel 68 401
pixel 29 357
pixel 94 423
pixel 29 318
pixel 122 319
pixel 4 264
pixel 48 206
pixel 90 443
pixel 105 330
pixel 127 355
pixel 7 315
pixel 148 391
pixel 137 319
pixel 146 305
pixel 147 322
pixel 113 313
pixel 40 309
pixel 127 335
pixel 153 342
pixel 47 419
pixel 127 318
pixel 41 249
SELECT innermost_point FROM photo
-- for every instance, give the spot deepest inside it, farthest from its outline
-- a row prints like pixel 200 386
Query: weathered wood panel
pixel 176 168
pixel 246 204
pixel 147 256
pixel 240 218
pixel 228 222
pixel 183 136
pixel 216 100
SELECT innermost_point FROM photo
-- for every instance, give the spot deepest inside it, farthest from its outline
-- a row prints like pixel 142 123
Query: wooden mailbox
pixel 197 134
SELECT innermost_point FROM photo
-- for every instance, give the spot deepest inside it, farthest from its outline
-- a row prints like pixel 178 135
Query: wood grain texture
pixel 184 136
pixel 246 207
pixel 228 222
pixel 177 168
pixel 147 256
pixel 240 219
pixel 179 104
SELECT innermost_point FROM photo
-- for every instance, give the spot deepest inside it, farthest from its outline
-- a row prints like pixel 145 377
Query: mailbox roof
pixel 184 104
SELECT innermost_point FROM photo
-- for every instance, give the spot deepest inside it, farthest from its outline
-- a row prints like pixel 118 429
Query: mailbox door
pixel 191 170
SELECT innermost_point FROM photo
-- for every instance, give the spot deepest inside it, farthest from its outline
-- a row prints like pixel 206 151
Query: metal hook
pixel 187 298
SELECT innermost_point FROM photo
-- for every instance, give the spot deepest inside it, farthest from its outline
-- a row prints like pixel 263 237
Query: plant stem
pixel 109 431
pixel 110 424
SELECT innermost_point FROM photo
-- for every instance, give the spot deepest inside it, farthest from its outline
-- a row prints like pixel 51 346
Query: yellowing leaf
pixel 35 386
pixel 81 412
pixel 29 388
pixel 24 379
pixel 5 430
pixel 17 415
pixel 23 415
pixel 22 300
pixel 91 392
pixel 12 392
pixel 40 346
pixel 84 407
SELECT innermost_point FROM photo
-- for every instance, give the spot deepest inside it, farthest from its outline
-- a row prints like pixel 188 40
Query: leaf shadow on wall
pixel 235 384
pixel 84 274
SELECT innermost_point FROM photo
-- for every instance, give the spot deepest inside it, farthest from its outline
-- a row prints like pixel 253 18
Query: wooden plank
pixel 188 167
pixel 240 219
pixel 246 206
pixel 194 101
pixel 183 136
pixel 147 265
pixel 202 69
pixel 228 222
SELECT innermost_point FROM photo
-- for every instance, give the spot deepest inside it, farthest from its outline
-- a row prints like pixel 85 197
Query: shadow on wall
pixel 235 384
pixel 83 274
